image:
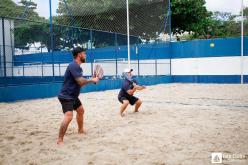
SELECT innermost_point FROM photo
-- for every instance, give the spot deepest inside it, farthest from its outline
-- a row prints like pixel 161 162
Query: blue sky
pixel 232 6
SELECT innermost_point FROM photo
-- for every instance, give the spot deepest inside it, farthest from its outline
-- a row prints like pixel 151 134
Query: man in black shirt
pixel 70 91
pixel 129 86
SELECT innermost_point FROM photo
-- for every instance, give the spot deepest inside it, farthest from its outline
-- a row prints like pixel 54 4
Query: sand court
pixel 177 124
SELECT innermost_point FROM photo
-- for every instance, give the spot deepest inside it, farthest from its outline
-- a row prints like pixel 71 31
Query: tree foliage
pixel 190 16
pixel 28 26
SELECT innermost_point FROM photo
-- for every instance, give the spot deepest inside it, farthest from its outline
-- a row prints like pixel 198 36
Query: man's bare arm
pixel 138 87
pixel 131 91
pixel 82 81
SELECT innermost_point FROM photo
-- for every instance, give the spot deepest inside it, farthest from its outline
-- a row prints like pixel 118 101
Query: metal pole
pixel 156 67
pixel 170 31
pixel 23 69
pixel 242 41
pixel 91 54
pixel 59 70
pixel 128 39
pixel 42 71
pixel 116 55
pixel 12 49
pixel 51 33
pixel 137 53
pixel 4 54
pixel 170 19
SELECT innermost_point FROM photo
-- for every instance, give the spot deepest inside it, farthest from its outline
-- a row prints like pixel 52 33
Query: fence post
pixel 116 55
pixel 23 69
pixel 42 74
pixel 4 55
pixel 156 60
pixel 1 73
pixel 170 34
pixel 137 53
pixel 59 70
pixel 156 67
pixel 51 34
pixel 91 54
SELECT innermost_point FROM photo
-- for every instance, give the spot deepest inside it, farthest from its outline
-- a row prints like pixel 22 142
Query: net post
pixel 51 33
pixel 116 55
pixel 91 61
pixel 4 54
pixel 242 43
pixel 128 36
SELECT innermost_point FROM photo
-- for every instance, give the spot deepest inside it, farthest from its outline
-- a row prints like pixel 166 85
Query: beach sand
pixel 178 124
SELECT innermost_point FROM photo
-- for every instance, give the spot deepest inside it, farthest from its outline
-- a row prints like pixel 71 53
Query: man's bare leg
pixel 64 125
pixel 80 119
pixel 123 107
pixel 137 105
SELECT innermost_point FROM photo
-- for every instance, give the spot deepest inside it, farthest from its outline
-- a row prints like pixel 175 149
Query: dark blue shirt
pixel 71 89
pixel 126 85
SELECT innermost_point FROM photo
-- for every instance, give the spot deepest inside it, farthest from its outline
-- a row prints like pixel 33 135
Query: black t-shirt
pixel 71 89
pixel 126 85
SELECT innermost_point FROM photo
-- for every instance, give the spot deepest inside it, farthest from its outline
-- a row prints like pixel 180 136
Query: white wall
pixel 183 66
pixel 209 66
pixel 147 67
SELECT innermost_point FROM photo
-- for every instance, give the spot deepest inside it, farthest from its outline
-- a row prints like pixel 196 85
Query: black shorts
pixel 69 105
pixel 132 99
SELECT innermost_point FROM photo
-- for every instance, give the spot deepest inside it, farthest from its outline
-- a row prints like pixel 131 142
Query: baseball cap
pixel 77 50
pixel 127 70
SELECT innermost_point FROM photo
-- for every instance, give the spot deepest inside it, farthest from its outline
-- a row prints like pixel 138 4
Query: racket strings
pixel 98 71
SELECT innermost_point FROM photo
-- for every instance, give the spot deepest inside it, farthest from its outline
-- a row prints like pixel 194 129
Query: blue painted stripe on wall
pixel 185 49
pixel 201 48
pixel 44 90
pixel 223 79
pixel 59 57
pixel 145 51
pixel 7 81
pixel 246 45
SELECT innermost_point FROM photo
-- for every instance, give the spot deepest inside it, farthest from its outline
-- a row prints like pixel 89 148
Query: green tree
pixel 28 25
pixel 190 16
pixel 246 21
pixel 227 25
pixel 9 9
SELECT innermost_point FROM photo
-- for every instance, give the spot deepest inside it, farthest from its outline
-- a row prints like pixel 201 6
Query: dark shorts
pixel 132 99
pixel 69 105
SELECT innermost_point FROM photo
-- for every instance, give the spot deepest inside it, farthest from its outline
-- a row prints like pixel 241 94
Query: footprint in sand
pixel 36 132
pixel 24 142
pixel 90 163
pixel 179 149
pixel 130 122
pixel 17 121
pixel 75 147
pixel 9 127
pixel 124 148
pixel 26 149
pixel 10 138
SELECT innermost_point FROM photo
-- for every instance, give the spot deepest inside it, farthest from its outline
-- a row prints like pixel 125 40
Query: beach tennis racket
pixel 98 71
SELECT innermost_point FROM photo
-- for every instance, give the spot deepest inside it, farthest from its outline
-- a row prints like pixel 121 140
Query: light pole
pixel 128 39
pixel 242 41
